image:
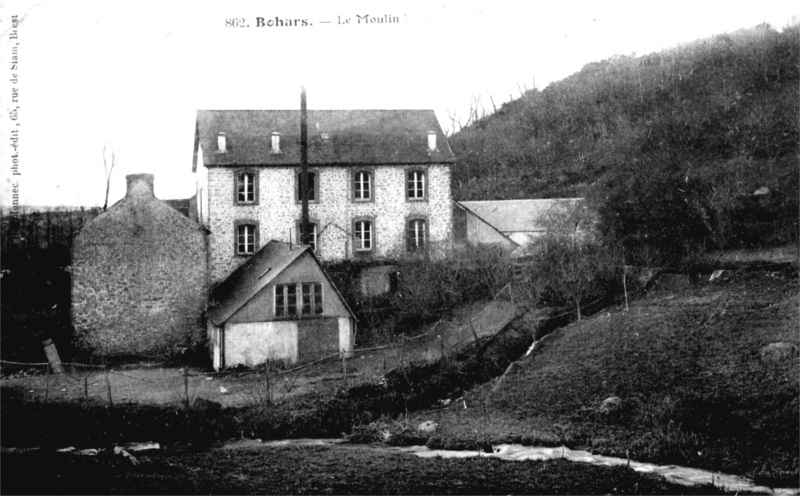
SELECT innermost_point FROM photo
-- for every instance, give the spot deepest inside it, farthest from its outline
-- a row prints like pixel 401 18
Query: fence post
pixel 474 334
pixel 344 368
pixel 186 387
pixel 268 382
pixel 46 383
pixel 625 286
pixel 108 390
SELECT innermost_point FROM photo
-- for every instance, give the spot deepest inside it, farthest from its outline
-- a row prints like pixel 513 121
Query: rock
pixel 427 428
pixel 142 446
pixel 611 405
pixel 719 274
pixel 778 352
pixel 761 191
pixel 222 390
pixel 123 452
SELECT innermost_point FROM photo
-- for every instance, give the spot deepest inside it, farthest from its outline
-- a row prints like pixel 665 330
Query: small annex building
pixel 278 305
pixel 517 225
pixel 139 278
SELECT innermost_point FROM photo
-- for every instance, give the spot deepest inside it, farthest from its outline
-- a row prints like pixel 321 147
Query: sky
pixel 130 75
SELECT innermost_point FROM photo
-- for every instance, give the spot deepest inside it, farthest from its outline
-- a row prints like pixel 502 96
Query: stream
pixel 516 452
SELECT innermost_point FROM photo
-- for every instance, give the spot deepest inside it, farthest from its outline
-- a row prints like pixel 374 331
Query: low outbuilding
pixel 279 305
pixel 518 225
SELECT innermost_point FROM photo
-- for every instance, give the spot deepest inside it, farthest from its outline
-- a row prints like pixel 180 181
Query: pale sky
pixel 133 73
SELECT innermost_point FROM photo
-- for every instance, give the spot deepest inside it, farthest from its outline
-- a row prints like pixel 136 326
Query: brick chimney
pixel 140 186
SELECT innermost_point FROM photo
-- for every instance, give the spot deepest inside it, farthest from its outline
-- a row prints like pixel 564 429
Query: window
pixel 362 186
pixel 246 188
pixel 363 235
pixel 415 185
pixel 416 235
pixel 312 298
pixel 246 238
pixel 312 242
pixel 313 187
pixel 286 299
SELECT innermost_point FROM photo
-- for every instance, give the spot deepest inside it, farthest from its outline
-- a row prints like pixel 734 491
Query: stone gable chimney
pixel 140 186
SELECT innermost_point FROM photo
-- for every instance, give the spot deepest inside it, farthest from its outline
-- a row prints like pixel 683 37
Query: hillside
pixel 678 139
pixel 698 381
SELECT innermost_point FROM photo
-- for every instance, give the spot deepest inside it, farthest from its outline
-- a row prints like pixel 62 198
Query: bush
pixel 426 289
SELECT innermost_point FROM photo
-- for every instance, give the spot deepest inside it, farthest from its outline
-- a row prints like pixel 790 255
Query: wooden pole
pixel 268 382
pixel 304 196
pixel 186 387
pixel 86 387
pixel 108 391
pixel 344 368
pixel 474 334
pixel 46 384
pixel 625 287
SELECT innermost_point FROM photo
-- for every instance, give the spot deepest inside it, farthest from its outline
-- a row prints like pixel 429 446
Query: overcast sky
pixel 133 73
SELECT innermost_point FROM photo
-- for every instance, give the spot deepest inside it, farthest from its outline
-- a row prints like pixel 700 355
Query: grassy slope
pixel 712 102
pixel 688 368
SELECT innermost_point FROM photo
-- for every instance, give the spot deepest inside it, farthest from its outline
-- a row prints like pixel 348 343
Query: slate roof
pixel 181 205
pixel 255 274
pixel 509 216
pixel 377 137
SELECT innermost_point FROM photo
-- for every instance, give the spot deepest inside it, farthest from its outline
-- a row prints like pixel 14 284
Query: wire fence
pixel 269 383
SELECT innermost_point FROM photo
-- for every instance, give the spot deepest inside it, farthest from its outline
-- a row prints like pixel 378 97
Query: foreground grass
pixel 696 389
pixel 316 470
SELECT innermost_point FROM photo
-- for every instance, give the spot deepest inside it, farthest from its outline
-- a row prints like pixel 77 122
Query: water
pixel 515 452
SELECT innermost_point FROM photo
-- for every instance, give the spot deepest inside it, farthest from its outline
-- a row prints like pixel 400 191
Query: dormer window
pixel 222 143
pixel 276 142
pixel 432 141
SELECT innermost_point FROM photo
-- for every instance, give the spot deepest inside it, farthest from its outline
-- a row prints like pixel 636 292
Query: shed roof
pixel 255 274
pixel 509 216
pixel 334 137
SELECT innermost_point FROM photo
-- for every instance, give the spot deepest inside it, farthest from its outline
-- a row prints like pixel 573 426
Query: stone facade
pixel 277 213
pixel 139 278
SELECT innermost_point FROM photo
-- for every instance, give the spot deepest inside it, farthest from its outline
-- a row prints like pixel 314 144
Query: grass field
pixel 697 385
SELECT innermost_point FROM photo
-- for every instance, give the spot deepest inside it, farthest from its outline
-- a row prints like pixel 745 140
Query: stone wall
pixel 277 212
pixel 139 278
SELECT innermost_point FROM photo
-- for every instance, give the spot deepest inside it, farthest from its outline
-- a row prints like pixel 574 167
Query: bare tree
pixel 109 162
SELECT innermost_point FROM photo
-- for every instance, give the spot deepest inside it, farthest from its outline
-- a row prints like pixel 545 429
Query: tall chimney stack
pixel 304 234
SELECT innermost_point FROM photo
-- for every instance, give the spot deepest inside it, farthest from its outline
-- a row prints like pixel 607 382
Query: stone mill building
pixel 139 278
